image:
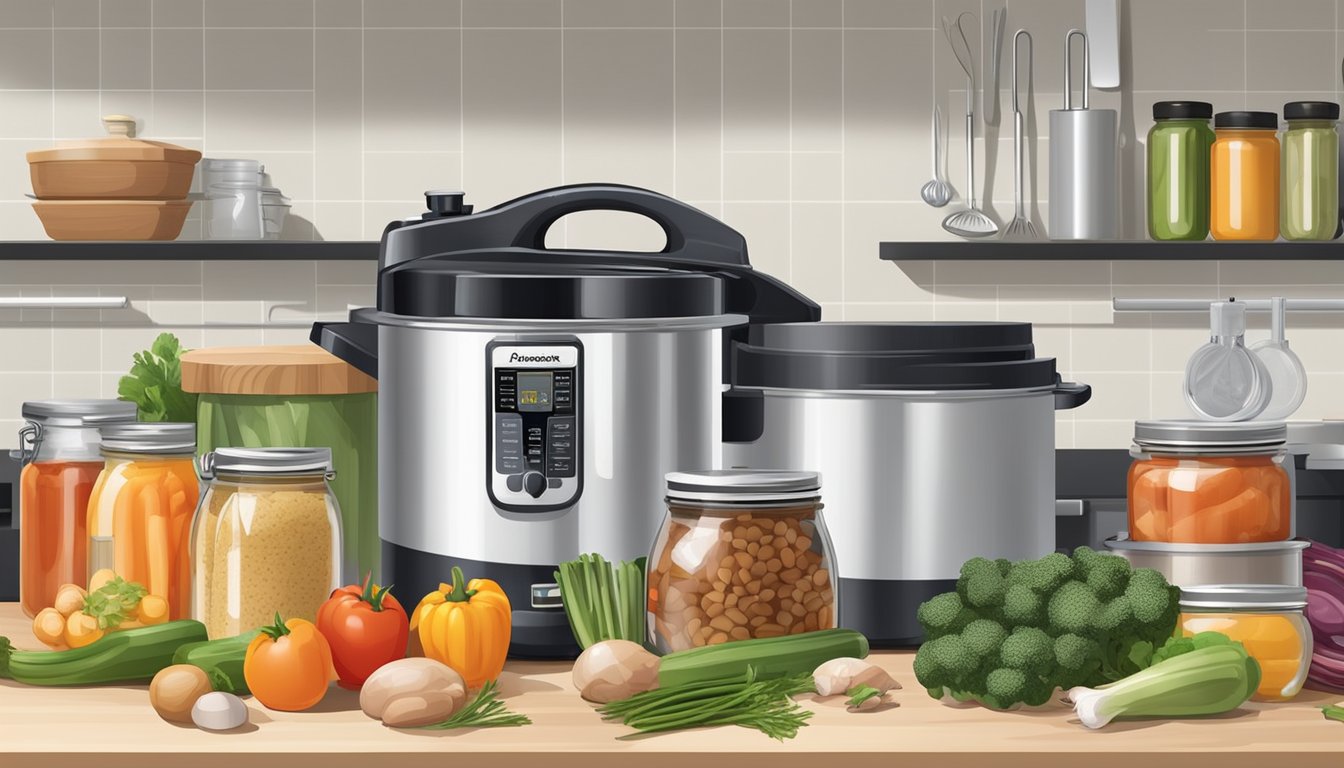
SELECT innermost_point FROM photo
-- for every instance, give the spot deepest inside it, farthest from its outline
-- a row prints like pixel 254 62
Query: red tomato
pixel 366 628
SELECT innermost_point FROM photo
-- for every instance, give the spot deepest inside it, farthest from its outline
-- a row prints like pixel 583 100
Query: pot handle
pixel 533 216
pixel 1070 394
pixel 355 343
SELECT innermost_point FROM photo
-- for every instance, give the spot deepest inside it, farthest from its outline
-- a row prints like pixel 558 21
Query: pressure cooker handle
pixel 686 228
pixel 355 343
pixel 1069 394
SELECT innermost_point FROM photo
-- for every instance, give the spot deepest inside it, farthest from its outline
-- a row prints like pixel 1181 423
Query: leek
pixel 1207 680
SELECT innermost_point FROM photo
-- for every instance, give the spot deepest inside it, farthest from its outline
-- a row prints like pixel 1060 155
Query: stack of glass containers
pixel 1211 507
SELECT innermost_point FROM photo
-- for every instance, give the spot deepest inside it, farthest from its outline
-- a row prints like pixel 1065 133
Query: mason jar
pixel 1310 196
pixel 741 554
pixel 1269 620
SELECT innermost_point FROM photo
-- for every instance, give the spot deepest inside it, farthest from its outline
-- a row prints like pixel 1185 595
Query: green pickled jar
pixel 1178 170
pixel 1309 207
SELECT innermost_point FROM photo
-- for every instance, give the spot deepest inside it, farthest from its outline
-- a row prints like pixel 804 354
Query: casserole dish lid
pixel 891 356
pixel 120 144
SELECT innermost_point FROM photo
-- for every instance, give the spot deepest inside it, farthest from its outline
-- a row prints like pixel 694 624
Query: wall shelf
pixel 189 250
pixel 1110 250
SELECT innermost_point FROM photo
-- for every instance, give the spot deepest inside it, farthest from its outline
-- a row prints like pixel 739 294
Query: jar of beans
pixel 742 554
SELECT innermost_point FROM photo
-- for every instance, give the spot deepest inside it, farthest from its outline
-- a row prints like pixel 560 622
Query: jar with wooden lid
pixel 266 538
pixel 303 397
pixel 741 554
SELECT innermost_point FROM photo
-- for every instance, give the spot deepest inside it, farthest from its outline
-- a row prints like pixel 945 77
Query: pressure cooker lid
pixel 891 356
pixel 539 291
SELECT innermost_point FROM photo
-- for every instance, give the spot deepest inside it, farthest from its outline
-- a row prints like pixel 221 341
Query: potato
pixel 100 578
pixel 69 599
pixel 49 627
pixel 414 691
pixel 613 670
pixel 174 691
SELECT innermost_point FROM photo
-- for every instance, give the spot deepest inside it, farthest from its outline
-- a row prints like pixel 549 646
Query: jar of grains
pixel 266 538
pixel 741 554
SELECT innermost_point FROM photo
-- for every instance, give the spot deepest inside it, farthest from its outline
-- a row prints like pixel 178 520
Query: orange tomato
pixel 288 666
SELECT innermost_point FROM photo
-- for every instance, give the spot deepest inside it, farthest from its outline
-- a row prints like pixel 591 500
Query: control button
pixel 514 483
pixel 561 425
pixel 546 596
pixel 553 482
pixel 508 465
pixel 560 467
pixel 534 483
pixel 510 446
pixel 508 424
pixel 506 377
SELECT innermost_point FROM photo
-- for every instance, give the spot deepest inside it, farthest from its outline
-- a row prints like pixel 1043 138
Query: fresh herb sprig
pixel 760 704
pixel 114 602
pixel 154 383
pixel 484 711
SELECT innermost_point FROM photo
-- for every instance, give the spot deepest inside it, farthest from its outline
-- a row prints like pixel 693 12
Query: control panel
pixel 534 428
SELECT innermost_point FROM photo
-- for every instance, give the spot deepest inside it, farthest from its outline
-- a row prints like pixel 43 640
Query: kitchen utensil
pixel 990 93
pixel 901 419
pixel 1021 227
pixel 1102 18
pixel 117 167
pixel 971 222
pixel 1223 380
pixel 1191 565
pixel 531 400
pixel 1287 375
pixel 297 397
pixel 1084 168
pixel 937 192
pixel 112 219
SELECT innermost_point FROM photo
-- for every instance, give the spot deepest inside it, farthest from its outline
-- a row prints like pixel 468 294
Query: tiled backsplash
pixel 803 123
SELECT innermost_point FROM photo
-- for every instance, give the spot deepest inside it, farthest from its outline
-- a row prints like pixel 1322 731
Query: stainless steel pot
pixel 935 443
pixel 531 401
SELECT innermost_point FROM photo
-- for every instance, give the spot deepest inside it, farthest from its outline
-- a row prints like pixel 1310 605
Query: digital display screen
pixel 534 391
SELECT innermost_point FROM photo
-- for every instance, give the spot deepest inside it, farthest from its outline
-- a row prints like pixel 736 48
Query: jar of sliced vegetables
pixel 1198 482
pixel 1269 620
pixel 742 554
pixel 141 507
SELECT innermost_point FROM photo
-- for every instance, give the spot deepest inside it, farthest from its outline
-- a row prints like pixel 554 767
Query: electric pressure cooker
pixel 936 442
pixel 530 401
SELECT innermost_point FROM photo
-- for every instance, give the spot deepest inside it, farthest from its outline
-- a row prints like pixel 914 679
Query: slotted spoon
pixel 972 222
pixel 1020 228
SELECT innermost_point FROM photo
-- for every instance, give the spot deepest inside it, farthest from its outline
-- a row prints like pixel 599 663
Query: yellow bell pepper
pixel 466 627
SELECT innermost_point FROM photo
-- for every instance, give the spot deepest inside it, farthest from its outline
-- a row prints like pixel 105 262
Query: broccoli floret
pixel 1074 652
pixel 1038 692
pixel 1023 607
pixel 984 637
pixel 1005 566
pixel 1029 649
pixel 1006 687
pixel 1107 575
pixel 1115 614
pixel 939 614
pixel 982 583
pixel 1045 575
pixel 1152 601
pixel 1073 608
pixel 953 657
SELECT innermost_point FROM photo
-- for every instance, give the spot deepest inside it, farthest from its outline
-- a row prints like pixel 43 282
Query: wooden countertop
pixel 115 726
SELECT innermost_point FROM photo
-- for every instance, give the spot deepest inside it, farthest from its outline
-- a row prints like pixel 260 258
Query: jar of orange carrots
pixel 59 450
pixel 141 508
pixel 1196 482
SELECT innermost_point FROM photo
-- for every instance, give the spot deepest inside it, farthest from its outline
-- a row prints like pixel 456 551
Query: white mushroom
pixel 615 669
pixel 840 675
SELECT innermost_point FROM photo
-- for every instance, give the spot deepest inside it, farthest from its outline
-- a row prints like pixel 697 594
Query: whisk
pixel 971 222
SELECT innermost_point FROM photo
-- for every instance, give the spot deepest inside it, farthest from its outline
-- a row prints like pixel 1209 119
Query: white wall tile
pixel 244 122
pixel 124 13
pixel 177 13
pixel 179 59
pixel 511 13
pixel 125 58
pixel 260 59
pixel 258 13
pixel 405 106
pixel 618 13
pixel 412 13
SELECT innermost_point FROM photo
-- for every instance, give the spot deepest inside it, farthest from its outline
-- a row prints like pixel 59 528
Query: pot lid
pixel 1242 597
pixel 891 357
pixel 743 485
pixel 120 144
pixel 304 369
pixel 160 437
pixel 266 461
pixel 536 290
pixel 1178 434
pixel 78 413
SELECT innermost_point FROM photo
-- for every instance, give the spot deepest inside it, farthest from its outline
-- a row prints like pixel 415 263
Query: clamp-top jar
pixel 741 554
pixel 59 451
pixel 266 538
pixel 1195 482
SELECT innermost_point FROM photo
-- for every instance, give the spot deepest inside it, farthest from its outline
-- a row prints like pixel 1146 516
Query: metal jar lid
pixel 79 413
pixel 1244 597
pixel 1122 542
pixel 266 461
pixel 161 437
pixel 1210 436
pixel 743 485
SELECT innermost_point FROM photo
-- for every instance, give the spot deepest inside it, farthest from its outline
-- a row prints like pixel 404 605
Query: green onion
pixel 1333 712
pixel 484 711
pixel 603 600
pixel 861 693
pixel 760 704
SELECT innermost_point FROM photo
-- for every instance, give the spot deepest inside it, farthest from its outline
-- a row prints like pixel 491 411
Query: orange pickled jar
pixel 1196 482
pixel 1268 620
pixel 1244 176
pixel 59 447
pixel 139 514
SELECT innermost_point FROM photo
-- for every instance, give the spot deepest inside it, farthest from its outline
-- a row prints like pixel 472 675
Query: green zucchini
pixel 125 656
pixel 223 656
pixel 770 657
